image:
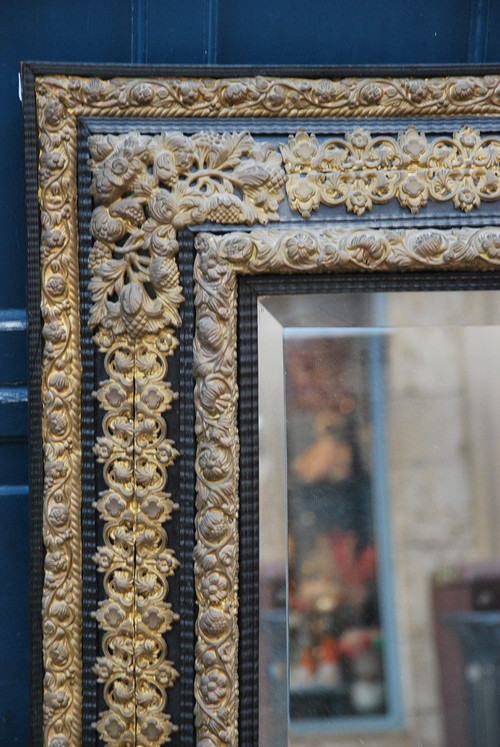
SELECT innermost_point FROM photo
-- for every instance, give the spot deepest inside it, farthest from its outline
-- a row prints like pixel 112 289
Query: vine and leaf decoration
pixel 145 189
pixel 170 181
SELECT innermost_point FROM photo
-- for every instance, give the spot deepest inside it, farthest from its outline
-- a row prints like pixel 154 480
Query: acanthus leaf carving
pixel 177 181
pixel 329 249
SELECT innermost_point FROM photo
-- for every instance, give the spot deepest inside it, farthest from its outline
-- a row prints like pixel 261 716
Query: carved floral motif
pixel 146 189
pixel 359 170
pixel 327 249
pixel 116 558
pixel 216 552
pixel 61 602
pixel 275 97
pixel 135 558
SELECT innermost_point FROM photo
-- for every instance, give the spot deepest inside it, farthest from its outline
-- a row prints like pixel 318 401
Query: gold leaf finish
pixel 116 558
pixel 146 188
pixel 279 97
pixel 61 602
pixel 135 558
pixel 154 453
pixel 216 552
pixel 327 250
pixel 359 170
pixel 136 294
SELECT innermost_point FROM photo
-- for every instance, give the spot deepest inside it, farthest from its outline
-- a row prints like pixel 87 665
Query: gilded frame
pixel 146 189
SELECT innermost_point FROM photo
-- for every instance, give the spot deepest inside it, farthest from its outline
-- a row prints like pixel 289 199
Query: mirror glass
pixel 379 421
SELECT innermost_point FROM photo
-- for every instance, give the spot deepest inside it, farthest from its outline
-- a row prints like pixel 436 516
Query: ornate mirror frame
pixel 172 151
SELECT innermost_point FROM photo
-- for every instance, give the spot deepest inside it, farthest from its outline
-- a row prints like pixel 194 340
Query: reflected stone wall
pixel 430 500
pixel 442 468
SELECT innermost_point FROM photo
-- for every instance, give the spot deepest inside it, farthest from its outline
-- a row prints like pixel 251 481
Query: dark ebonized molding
pixel 111 70
pixel 248 407
pixel 35 406
pixel 92 372
pixel 184 602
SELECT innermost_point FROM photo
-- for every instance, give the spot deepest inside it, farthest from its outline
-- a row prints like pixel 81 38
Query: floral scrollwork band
pixel 359 170
pixel 145 189
pixel 135 331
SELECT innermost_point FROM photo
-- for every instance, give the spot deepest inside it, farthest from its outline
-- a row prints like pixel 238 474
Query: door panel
pixel 342 33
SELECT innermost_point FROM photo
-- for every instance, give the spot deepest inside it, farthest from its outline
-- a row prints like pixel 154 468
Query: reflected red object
pixel 329 650
pixel 355 641
pixel 355 568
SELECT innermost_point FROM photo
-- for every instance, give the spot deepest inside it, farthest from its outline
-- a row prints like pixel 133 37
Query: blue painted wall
pixel 157 31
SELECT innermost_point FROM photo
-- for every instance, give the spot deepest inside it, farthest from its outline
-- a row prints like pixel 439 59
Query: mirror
pixel 379 518
pixel 160 207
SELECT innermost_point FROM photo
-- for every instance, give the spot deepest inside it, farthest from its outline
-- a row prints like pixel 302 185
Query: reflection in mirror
pixel 379 519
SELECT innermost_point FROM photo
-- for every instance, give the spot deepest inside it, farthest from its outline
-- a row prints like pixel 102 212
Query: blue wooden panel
pixel 13 354
pixel 43 30
pixel 176 31
pixel 343 32
pixel 492 36
pixel 13 412
pixel 14 593
pixel 13 466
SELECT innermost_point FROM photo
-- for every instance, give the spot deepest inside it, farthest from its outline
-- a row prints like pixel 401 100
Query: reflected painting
pixel 379 519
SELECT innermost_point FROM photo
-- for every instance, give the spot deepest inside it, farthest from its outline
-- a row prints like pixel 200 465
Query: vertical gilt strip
pixel 136 296
pixel 116 558
pixel 216 551
pixel 155 561
pixel 61 603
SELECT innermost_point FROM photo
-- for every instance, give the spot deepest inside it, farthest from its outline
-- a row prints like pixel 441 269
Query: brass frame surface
pixel 359 170
pixel 226 179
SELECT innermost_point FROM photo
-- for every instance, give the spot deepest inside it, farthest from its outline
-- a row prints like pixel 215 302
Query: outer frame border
pixel 30 72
